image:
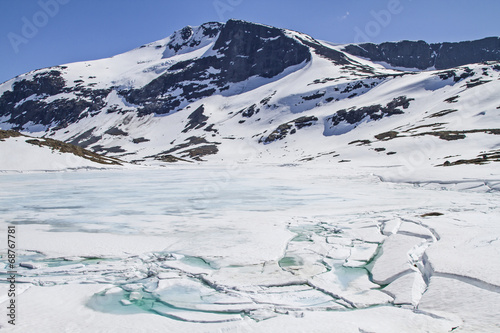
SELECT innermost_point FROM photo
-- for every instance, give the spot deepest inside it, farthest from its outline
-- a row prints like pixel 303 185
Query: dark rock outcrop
pixel 290 127
pixel 355 116
pixel 196 119
pixel 250 49
pixel 421 55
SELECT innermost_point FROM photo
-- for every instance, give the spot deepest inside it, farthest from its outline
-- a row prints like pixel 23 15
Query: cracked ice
pixel 275 248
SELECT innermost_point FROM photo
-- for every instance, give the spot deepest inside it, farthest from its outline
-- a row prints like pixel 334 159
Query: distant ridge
pixel 421 55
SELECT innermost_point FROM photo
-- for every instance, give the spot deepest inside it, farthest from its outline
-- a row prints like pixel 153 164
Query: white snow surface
pixel 252 248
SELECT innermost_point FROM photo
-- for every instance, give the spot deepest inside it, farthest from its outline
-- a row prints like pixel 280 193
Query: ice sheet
pixel 268 248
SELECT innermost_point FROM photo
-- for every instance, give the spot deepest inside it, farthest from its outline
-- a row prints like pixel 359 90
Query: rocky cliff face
pixel 422 55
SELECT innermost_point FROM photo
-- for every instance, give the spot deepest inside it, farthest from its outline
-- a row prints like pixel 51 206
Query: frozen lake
pixel 262 248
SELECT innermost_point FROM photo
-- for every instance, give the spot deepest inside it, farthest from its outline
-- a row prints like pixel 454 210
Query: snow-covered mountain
pixel 244 92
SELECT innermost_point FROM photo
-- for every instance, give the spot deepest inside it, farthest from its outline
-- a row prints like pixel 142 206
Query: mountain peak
pixel 188 38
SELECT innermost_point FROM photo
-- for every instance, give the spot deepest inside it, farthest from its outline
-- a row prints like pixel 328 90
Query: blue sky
pixel 41 33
